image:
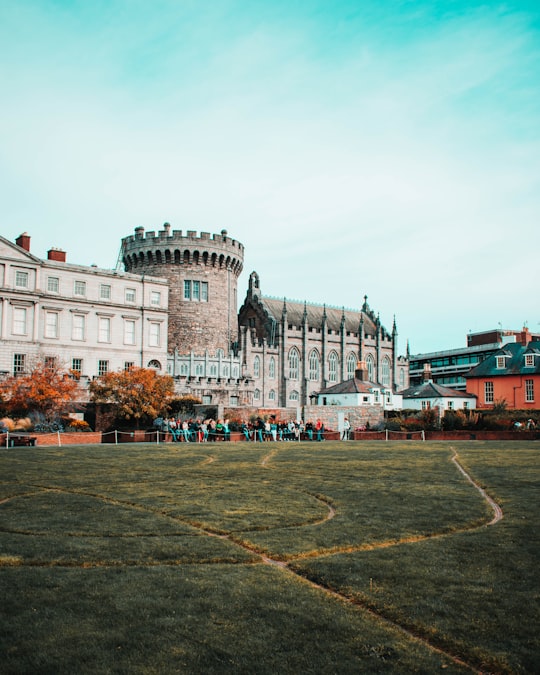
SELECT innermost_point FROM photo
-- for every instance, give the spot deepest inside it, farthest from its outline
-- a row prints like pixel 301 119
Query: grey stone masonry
pixel 203 272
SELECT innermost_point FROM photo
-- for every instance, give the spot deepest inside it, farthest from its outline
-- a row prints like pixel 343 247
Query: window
pixel 51 324
pixel 401 378
pixel 129 332
pixel 105 292
pixel 19 320
pixel 488 392
pixel 155 298
pixel 128 365
pixel 199 369
pixel 351 365
pixel 529 391
pixel 213 370
pixel 76 367
pixel 154 337
pixel 501 362
pixel 529 360
pixel 50 362
pixel 79 288
pixel 53 284
pixel 256 367
pixel 234 400
pixel 19 363
pixel 385 375
pixel 78 327
pixel 272 367
pixel 207 399
pixel 184 370
pixel 130 295
pixel 271 395
pixel 294 360
pixel 426 405
pixel 465 405
pixel 21 279
pixel 196 290
pixel 104 331
pixel 226 371
pixel 314 366
pixel 103 367
pixel 370 363
pixel 257 395
pixel 332 366
pixel 450 405
pixel 294 396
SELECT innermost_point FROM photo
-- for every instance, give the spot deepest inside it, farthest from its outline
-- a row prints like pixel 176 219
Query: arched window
pixel 272 367
pixel 226 371
pixel 256 367
pixel 235 372
pixel 370 363
pixel 213 370
pixel 314 365
pixel 351 365
pixel 257 395
pixel 401 378
pixel 271 395
pixel 332 366
pixel 184 369
pixel 385 374
pixel 294 360
pixel 156 365
pixel 294 396
pixel 199 369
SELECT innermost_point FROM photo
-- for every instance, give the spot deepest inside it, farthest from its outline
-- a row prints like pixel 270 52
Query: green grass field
pixel 269 558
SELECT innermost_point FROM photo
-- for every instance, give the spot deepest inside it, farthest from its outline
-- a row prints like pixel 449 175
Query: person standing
pixel 346 430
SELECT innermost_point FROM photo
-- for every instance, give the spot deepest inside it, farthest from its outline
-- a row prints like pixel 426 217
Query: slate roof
pixel 334 316
pixel 431 389
pixel 514 362
pixel 352 386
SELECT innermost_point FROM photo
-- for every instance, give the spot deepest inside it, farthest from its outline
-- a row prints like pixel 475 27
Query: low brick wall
pixel 64 438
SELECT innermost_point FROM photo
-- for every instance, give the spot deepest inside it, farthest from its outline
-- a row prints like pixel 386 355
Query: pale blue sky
pixel 371 147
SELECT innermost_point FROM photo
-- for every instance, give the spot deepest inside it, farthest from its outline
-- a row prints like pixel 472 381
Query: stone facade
pixel 292 350
pixel 202 272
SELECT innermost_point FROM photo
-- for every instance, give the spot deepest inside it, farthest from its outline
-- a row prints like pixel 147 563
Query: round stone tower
pixel 203 276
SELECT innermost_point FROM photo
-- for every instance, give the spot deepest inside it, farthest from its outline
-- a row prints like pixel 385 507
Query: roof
pixel 431 389
pixel 315 313
pixel 352 386
pixel 514 363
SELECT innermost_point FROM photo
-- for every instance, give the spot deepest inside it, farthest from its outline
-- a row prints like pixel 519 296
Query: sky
pixel 375 147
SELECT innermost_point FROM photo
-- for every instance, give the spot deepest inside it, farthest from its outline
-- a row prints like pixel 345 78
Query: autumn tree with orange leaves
pixel 135 394
pixel 46 390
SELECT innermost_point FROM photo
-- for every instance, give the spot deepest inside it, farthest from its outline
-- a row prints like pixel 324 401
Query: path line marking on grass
pixel 497 511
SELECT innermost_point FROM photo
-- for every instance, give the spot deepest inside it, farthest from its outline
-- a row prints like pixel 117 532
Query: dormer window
pixel 501 362
pixel 529 360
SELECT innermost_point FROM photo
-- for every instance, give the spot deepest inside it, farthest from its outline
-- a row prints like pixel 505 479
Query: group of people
pixel 202 431
pixel 275 430
pixel 197 431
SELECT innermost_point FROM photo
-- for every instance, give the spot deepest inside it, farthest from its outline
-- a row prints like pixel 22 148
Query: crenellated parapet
pixel 202 271
pixel 173 247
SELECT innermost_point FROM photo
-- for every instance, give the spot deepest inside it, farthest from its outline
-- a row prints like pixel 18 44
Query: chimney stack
pixel 56 254
pixel 23 240
pixel 361 372
pixel 426 375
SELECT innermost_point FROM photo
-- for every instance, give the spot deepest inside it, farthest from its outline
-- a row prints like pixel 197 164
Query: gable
pixel 9 251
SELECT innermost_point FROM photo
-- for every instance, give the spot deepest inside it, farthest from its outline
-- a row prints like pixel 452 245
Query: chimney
pixel 56 254
pixel 23 240
pixel 426 375
pixel 361 372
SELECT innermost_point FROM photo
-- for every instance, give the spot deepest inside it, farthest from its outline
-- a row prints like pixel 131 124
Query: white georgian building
pixel 90 320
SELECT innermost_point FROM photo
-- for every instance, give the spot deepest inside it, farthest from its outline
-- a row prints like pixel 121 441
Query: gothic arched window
pixel 294 360
pixel 351 365
pixel 256 367
pixel 332 366
pixel 314 365
pixel 370 363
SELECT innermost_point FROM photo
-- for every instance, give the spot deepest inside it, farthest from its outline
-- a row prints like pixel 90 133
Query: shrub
pixel 78 425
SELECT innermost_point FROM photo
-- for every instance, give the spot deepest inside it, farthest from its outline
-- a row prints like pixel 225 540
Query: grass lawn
pixel 269 558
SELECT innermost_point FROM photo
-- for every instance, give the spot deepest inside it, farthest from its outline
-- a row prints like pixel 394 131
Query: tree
pixel 135 394
pixel 47 390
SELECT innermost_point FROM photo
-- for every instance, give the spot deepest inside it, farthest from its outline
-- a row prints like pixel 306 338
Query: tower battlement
pixel 176 247
pixel 202 270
